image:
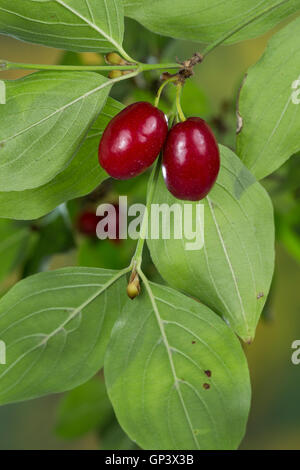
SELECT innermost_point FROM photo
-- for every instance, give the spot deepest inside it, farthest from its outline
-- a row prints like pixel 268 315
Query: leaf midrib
pixel 177 381
pixel 89 23
pixel 222 241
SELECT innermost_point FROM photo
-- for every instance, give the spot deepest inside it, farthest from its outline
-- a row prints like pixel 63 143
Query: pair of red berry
pixel 134 138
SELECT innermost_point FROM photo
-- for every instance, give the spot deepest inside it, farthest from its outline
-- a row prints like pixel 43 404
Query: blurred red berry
pixel 87 223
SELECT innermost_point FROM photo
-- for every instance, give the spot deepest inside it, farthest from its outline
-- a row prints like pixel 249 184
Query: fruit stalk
pixel 137 258
pixel 178 102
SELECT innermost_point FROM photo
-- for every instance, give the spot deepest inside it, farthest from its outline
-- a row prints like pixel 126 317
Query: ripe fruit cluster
pixel 134 138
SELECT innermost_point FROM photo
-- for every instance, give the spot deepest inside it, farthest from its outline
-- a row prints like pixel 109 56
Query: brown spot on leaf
pixel 260 295
pixel 193 342
pixel 208 373
pixel 206 386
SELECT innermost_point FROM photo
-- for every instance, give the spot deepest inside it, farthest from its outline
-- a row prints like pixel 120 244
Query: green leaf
pixel 79 178
pixel 46 117
pixel 270 105
pixel 13 241
pixel 158 364
pixel 84 409
pixel 75 25
pixel 56 326
pixel 202 21
pixel 233 271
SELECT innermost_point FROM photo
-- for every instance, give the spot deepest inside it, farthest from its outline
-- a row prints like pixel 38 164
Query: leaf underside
pixel 233 271
pixel 56 326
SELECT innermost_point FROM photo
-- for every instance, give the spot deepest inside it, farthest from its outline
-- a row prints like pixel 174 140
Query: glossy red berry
pixel 132 140
pixel 191 160
pixel 87 223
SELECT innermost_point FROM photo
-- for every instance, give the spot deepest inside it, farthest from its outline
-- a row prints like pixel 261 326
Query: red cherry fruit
pixel 132 140
pixel 87 223
pixel 191 160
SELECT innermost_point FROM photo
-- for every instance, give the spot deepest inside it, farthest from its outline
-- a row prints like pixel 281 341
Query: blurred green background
pixel 83 418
